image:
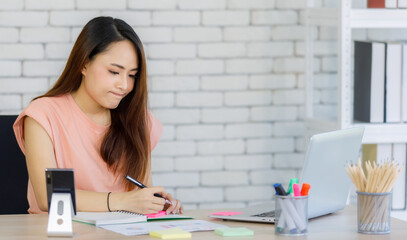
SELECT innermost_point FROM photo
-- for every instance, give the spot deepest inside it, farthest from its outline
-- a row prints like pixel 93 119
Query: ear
pixel 84 69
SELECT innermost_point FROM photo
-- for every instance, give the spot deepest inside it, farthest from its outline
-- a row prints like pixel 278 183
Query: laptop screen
pixel 324 169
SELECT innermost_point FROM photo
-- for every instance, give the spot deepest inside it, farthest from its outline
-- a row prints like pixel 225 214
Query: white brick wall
pixel 248 130
pixel 171 51
pixel 225 18
pixel 228 178
pixel 225 77
pixel 197 34
pixel 45 34
pixel 275 17
pixel 221 50
pixel 176 179
pixel 202 5
pixel 252 33
pixel 10 68
pixel 200 132
pixel 247 98
pixel 270 145
pixel 272 81
pixel 248 162
pixel 202 163
pixel 21 51
pixel 221 147
pixel 235 82
pixel 225 115
pixel 49 4
pixel 274 113
pixel 252 4
pixel 9 34
pixel 152 4
pixel 199 99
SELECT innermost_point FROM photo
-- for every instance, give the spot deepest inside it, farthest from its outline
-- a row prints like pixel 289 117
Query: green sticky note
pixel 233 232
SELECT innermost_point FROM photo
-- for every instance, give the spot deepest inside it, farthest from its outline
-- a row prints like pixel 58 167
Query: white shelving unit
pixel 345 19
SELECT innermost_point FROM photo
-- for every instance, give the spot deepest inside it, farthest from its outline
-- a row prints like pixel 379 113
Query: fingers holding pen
pixel 142 201
pixel 175 207
pixel 161 198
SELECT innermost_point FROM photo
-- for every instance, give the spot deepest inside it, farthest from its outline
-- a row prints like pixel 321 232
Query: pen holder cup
pixel 291 217
pixel 374 212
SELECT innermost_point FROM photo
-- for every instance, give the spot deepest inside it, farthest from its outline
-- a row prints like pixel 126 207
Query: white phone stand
pixel 60 215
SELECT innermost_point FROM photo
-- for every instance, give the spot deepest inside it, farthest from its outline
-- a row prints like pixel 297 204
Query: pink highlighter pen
pixel 296 189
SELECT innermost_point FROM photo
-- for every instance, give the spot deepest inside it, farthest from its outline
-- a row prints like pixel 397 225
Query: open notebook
pixel 108 218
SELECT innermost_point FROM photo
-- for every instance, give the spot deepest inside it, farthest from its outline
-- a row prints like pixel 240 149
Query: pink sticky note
pixel 226 213
pixel 154 215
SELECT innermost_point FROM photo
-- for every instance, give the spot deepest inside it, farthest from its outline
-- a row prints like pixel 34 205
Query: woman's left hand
pixel 175 207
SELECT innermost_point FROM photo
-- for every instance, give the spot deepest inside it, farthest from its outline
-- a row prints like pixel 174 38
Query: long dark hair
pixel 126 145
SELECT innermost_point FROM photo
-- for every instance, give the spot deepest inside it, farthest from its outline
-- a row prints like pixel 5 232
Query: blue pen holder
pixel 291 217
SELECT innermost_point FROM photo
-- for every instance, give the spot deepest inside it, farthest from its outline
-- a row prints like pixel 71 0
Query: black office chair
pixel 13 171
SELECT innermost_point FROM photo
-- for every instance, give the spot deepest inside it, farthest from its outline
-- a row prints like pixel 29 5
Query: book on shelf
pixel 391 3
pixel 404 83
pixel 108 218
pixel 399 189
pixel 369 154
pixel 393 82
pixel 385 152
pixel 402 3
pixel 386 3
pixel 382 3
pixel 376 3
pixel 369 81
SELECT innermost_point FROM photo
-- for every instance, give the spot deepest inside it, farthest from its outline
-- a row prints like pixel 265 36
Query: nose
pixel 122 83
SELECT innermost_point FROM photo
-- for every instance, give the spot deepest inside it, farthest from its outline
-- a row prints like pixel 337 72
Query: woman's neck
pixel 92 109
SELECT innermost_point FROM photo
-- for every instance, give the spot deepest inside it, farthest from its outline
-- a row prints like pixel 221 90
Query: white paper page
pixel 134 229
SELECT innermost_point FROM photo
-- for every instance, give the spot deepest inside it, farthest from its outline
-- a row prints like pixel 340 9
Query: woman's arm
pixel 39 152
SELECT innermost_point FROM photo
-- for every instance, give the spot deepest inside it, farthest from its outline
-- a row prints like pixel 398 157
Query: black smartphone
pixel 60 180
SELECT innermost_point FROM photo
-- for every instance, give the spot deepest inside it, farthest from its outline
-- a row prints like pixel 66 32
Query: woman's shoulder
pixel 54 100
pixel 45 104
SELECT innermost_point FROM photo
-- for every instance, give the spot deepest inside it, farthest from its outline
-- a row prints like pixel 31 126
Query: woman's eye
pixel 133 76
pixel 113 72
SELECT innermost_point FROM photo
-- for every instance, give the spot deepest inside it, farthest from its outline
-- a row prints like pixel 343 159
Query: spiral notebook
pixel 109 218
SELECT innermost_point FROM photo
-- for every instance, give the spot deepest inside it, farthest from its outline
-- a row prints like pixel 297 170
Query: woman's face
pixel 110 76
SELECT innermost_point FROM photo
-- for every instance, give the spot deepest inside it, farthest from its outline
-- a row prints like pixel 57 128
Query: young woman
pixel 95 120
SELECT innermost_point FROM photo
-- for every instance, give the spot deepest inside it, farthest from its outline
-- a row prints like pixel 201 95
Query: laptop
pixel 324 170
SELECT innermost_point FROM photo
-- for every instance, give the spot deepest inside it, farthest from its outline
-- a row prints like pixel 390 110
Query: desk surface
pixel 341 225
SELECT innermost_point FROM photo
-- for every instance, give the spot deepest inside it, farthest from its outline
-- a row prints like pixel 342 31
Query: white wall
pixel 225 76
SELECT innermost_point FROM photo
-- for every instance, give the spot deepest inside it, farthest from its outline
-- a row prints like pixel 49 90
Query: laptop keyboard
pixel 266 214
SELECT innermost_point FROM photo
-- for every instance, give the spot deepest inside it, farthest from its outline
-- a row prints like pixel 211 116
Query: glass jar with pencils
pixel 374 212
pixel 374 185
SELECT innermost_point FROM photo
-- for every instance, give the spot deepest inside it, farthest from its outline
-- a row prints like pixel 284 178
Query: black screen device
pixel 60 180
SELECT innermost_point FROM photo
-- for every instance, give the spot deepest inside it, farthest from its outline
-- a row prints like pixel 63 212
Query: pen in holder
pixel 291 217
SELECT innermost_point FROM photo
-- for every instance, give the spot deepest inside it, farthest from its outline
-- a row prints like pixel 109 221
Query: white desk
pixel 341 225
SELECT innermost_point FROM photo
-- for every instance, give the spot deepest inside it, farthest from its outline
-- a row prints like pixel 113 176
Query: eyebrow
pixel 120 66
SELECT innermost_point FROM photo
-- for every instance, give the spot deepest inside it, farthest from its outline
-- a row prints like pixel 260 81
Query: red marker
pixel 305 189
pixel 296 190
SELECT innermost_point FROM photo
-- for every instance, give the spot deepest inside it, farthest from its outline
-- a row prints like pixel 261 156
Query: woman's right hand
pixel 140 201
